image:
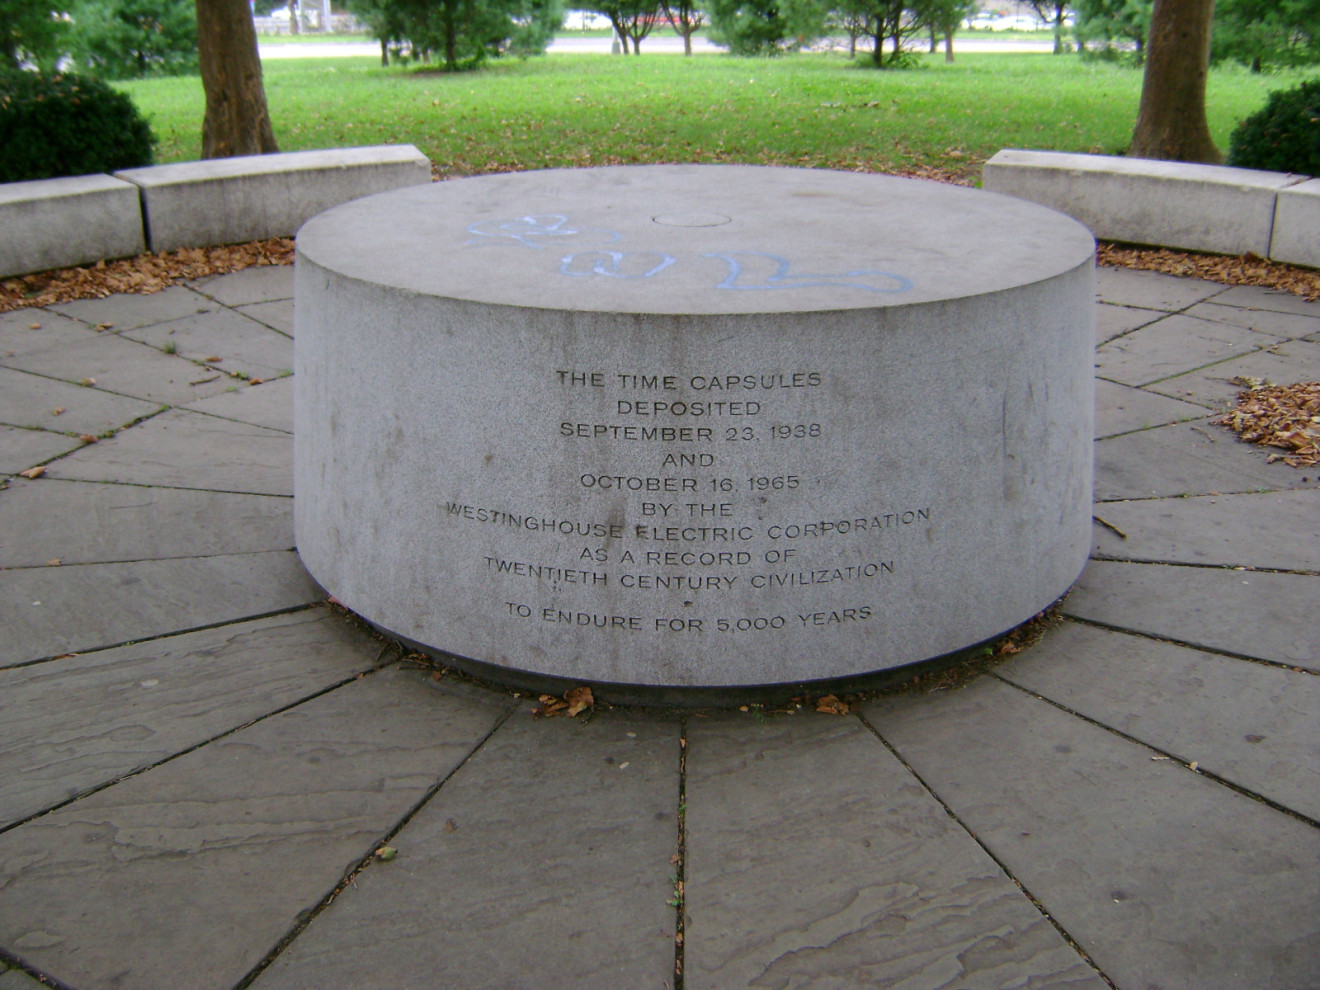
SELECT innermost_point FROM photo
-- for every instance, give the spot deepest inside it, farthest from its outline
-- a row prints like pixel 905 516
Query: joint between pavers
pixel 19 568
pixel 1190 766
pixel 306 917
pixel 138 771
pixel 680 877
pixel 1242 568
pixel 953 816
pixel 1200 648
pixel 165 635
pixel 12 963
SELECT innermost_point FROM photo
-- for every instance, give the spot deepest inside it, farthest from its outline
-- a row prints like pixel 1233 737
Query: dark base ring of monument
pixel 693 428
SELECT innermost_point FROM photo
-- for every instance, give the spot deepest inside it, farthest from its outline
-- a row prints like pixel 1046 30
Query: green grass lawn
pixel 813 110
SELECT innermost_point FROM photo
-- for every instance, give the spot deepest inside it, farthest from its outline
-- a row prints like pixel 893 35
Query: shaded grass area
pixel 813 110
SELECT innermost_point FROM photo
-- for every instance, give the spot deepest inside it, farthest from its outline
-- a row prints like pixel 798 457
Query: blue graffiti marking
pixel 868 279
pixel 616 264
pixel 536 231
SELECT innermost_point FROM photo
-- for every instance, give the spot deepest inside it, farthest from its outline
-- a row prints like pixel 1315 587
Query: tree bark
pixel 1171 122
pixel 237 121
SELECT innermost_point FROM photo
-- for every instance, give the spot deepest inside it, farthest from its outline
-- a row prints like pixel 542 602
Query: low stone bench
pixel 54 223
pixel 1296 238
pixel 1141 201
pixel 229 200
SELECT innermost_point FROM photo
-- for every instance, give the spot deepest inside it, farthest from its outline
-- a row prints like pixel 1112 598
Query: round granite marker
pixel 700 426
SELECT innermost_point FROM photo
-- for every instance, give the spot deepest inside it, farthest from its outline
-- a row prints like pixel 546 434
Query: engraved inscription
pixel 721 494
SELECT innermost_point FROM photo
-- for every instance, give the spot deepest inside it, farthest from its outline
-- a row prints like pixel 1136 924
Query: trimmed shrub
pixel 1284 136
pixel 67 125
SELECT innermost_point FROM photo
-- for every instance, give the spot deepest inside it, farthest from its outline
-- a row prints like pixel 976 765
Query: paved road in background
pixel 656 45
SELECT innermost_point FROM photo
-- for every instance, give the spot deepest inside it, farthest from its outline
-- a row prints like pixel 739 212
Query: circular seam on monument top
pixel 692 219
pixel 796 241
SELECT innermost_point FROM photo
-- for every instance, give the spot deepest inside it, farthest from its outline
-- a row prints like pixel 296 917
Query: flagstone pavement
pixel 200 759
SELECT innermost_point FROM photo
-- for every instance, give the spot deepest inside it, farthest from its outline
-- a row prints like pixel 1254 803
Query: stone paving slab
pixel 82 721
pixel 1193 458
pixel 45 403
pixel 51 611
pixel 251 285
pixel 1162 876
pixel 21 449
pixel 24 331
pixel 1152 290
pixel 893 893
pixel 1291 326
pixel 1219 385
pixel 1174 345
pixel 1276 530
pixel 1209 895
pixel 1258 727
pixel 226 341
pixel 1123 409
pixel 88 522
pixel 1252 613
pixel 1272 300
pixel 278 315
pixel 16 979
pixel 186 449
pixel 190 874
pixel 1113 321
pixel 545 862
pixel 269 404
pixel 124 366
pixel 128 312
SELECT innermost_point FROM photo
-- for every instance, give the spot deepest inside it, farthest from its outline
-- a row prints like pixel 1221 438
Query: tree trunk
pixel 948 45
pixel 384 54
pixel 1171 123
pixel 237 121
pixel 294 26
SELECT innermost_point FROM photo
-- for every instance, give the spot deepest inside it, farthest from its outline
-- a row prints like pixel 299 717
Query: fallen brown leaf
pixel 550 705
pixel 87 438
pixel 32 472
pixel 57 411
pixel 830 705
pixel 144 274
pixel 1246 269
pixel 1283 416
pixel 579 700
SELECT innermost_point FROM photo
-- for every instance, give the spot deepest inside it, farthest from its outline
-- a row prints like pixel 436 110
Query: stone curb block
pixel 56 223
pixel 1140 201
pixel 231 200
pixel 1297 225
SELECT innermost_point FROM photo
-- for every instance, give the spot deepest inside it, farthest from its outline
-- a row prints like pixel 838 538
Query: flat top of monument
pixel 695 239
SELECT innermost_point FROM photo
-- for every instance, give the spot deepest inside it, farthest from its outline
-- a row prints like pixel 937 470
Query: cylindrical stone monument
pixel 703 426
